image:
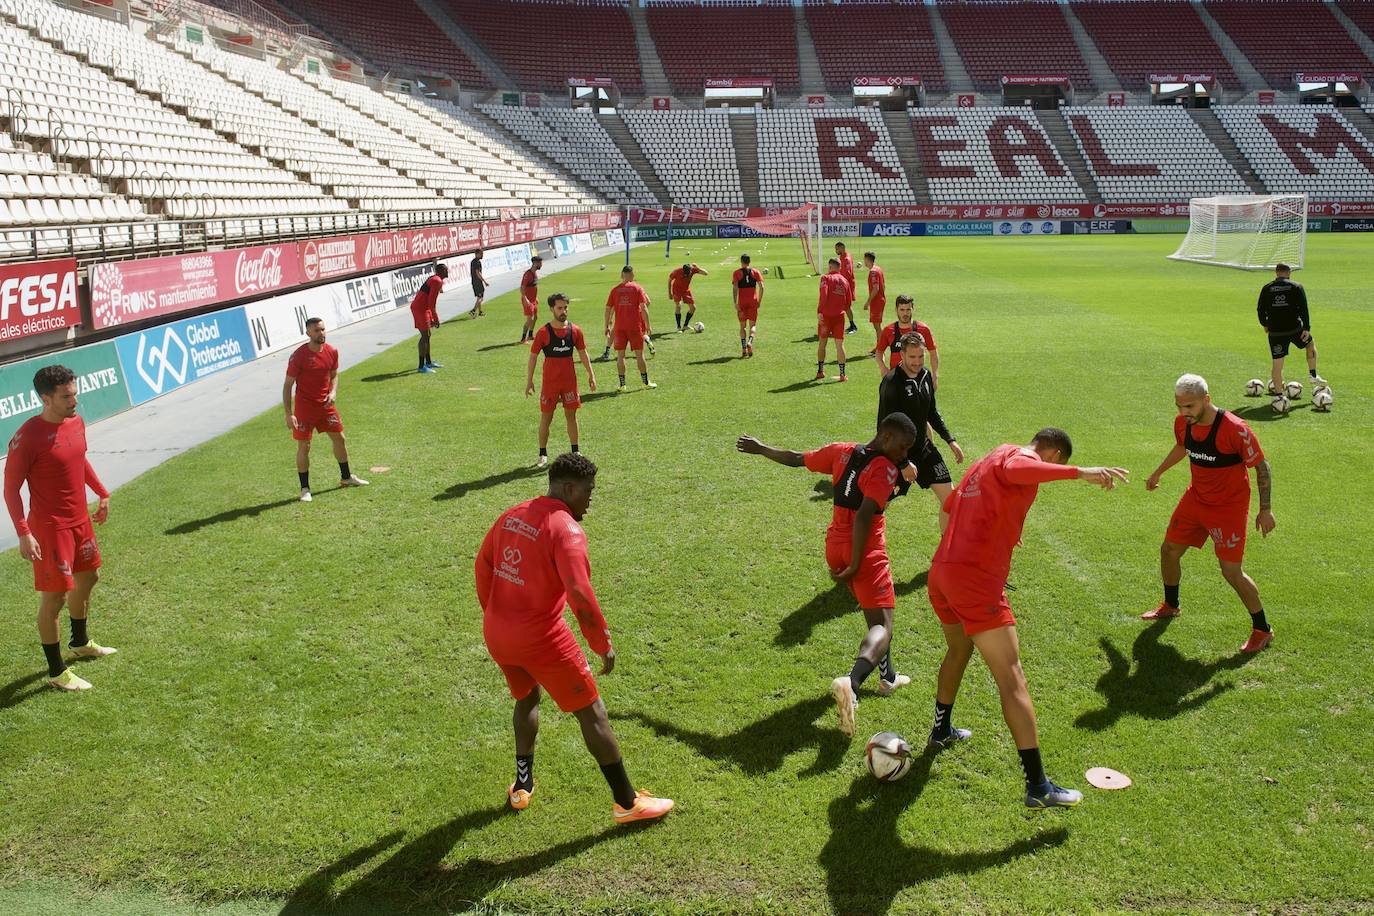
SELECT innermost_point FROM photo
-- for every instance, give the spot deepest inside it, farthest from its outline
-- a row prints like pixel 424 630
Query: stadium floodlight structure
pixel 1247 231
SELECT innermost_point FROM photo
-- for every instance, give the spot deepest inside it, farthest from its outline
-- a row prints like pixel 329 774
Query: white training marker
pixel 1104 778
pixel 380 469
pixel 474 389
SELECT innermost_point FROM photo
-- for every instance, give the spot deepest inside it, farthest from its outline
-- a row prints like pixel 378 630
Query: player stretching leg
pixel 1219 446
pixel 533 562
pixel 856 542
pixel 680 291
pixel 909 389
pixel 557 340
pixel 746 290
pixel 314 372
pixel 49 454
pixel 627 317
pixel 967 589
pixel 830 311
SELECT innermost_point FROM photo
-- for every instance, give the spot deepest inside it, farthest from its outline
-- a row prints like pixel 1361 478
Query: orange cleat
pixel 519 798
pixel 1257 641
pixel 646 808
pixel 1161 612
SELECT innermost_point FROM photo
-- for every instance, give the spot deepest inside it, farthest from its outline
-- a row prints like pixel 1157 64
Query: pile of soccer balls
pixel 1321 395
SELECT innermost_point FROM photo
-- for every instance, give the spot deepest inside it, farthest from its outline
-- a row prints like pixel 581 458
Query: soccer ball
pixel 699 327
pixel 1280 404
pixel 1254 388
pixel 1293 390
pixel 603 266
pixel 888 756
pixel 1321 399
pixel 765 270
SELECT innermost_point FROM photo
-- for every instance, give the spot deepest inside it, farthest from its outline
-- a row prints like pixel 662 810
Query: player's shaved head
pixel 1054 438
pixel 572 477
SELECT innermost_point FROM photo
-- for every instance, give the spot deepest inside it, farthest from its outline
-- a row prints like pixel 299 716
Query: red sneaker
pixel 1257 641
pixel 843 377
pixel 820 375
pixel 1161 612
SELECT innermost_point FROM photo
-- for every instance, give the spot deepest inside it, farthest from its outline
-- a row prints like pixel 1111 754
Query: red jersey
pixel 748 281
pixel 51 457
pixel 529 287
pixel 426 301
pixel 626 299
pixel 557 347
pixel 1220 454
pixel 679 283
pixel 891 338
pixel 875 481
pixel 312 372
pixel 988 509
pixel 877 283
pixel 531 560
pixel 835 298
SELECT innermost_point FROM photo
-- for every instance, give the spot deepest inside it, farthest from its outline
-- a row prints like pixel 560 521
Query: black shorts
pixel 930 468
pixel 478 288
pixel 1279 343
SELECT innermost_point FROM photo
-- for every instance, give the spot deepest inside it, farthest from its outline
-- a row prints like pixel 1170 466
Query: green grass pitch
pixel 302 716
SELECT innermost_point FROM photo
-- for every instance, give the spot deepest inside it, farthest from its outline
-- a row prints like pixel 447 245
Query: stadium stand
pixel 692 152
pixel 834 155
pixel 1282 39
pixel 1360 12
pixel 982 155
pixel 396 36
pixel 996 39
pixel 1129 37
pixel 575 140
pixel 874 38
pixel 1310 148
pixel 696 42
pixel 1150 154
pixel 542 44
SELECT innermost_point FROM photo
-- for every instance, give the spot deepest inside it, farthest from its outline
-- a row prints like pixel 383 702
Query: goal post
pixel 804 222
pixel 1246 231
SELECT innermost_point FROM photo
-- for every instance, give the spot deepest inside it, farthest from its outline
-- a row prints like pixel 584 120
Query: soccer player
pixel 557 340
pixel 627 318
pixel 49 454
pixel 909 389
pixel 746 291
pixel 479 284
pixel 313 371
pixel 532 563
pixel 890 340
pixel 529 297
pixel 877 293
pixel 856 543
pixel 835 297
pixel 967 589
pixel 1282 313
pixel 424 308
pixel 1220 447
pixel 680 291
pixel 847 269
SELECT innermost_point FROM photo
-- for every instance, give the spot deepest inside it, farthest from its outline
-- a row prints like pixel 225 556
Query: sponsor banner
pixel 279 322
pixel 1352 225
pixel 599 238
pixel 662 103
pixel 166 357
pixel 892 230
pixel 100 387
pixel 967 100
pixel 1266 97
pixel 694 232
pixel 815 101
pixel 1341 208
pixel 740 82
pixel 887 81
pixel 37 298
pixel 1035 79
pixel 1155 226
pixel 125 291
pixel 1313 225
pixel 1116 100
pixel 840 230
pixel 933 212
pixel 1008 228
pixel 1327 76
pixel 362 297
pixel 406 282
pixel 660 233
pixel 594 82
pixel 582 242
pixel 959 227
pixel 737 231
pixel 1179 77
pixel 615 238
pixel 563 245
pixel 1097 227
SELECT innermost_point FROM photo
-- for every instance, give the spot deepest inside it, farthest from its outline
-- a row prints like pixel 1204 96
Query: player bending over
pixel 909 389
pixel 680 291
pixel 532 563
pixel 627 317
pixel 856 543
pixel 557 340
pixel 424 310
pixel 314 372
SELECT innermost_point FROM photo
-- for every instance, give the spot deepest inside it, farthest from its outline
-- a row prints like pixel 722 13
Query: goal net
pixel 804 222
pixel 1252 232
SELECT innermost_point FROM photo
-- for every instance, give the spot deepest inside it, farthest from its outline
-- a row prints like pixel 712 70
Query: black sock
pixel 1312 372
pixel 574 448
pixel 687 322
pixel 79 637
pixel 619 782
pixel 543 453
pixel 820 367
pixel 677 316
pixel 1171 595
pixel 524 771
pixel 841 368
pixel 742 343
pixel 944 718
pixel 344 473
pixel 1033 768
pixel 53 650
pixel 305 479
pixel 859 673
pixel 622 381
pixel 885 668
pixel 1256 620
pixel 645 376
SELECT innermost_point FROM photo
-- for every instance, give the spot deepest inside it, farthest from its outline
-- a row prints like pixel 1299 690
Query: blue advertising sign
pixel 1097 227
pixel 166 357
pixel 960 227
pixel 892 230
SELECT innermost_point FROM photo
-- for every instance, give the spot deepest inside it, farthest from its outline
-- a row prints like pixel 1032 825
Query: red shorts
pixel 747 312
pixel 1193 523
pixel 530 306
pixel 872 584
pixel 316 418
pixel 421 319
pixel 558 666
pixel 634 339
pixel 66 551
pixel 966 595
pixel 830 326
pixel 550 396
pixel 875 311
pixel 686 297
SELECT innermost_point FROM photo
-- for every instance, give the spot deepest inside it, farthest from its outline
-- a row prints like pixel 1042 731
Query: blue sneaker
pixel 949 738
pixel 425 370
pixel 1051 796
pixel 436 365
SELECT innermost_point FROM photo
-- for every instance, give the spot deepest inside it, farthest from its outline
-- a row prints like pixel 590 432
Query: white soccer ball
pixel 888 756
pixel 603 267
pixel 699 327
pixel 1321 399
pixel 1280 404
pixel 1254 388
pixel 1293 390
pixel 765 270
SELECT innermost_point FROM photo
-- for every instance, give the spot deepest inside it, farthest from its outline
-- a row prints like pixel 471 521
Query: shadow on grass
pixel 762 746
pixel 1159 687
pixel 798 386
pixel 22 688
pixel 718 361
pixel 814 338
pixel 415 879
pixel 231 515
pixel 796 628
pixel 1263 413
pixel 866 862
pixel 502 346
pixel 459 490
pixel 388 376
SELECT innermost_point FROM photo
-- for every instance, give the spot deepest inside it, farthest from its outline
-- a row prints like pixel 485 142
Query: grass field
pixel 302 716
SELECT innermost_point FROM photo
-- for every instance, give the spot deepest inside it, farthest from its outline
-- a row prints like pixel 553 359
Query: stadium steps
pixel 467 44
pixel 1360 120
pixel 956 77
pixel 1062 138
pixel 1211 126
pixel 650 64
pixel 1098 68
pixel 808 61
pixel 1359 37
pixel 1245 71
pixel 904 139
pixel 634 154
pixel 514 142
pixel 744 132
